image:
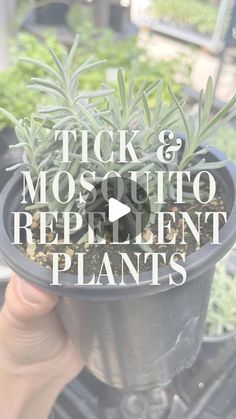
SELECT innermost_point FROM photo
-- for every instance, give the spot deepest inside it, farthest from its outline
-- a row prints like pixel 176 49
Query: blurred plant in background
pixel 121 52
pixel 224 139
pixel 14 96
pixel 118 51
pixel 221 316
pixel 201 15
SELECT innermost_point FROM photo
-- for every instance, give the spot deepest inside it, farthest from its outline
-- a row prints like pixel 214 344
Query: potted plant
pixel 133 336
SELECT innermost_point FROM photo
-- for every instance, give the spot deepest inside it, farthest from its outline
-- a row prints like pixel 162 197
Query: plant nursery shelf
pixel 186 35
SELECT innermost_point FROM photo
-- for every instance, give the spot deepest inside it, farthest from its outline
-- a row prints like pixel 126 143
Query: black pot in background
pixel 52 14
pixel 208 387
pixel 7 137
pixel 216 347
pixel 7 159
pixel 119 17
pixel 134 336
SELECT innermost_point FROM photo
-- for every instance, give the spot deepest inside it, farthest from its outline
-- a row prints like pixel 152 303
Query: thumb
pixel 30 329
pixel 26 302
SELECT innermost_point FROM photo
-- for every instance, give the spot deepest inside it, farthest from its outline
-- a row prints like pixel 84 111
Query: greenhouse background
pixel 181 41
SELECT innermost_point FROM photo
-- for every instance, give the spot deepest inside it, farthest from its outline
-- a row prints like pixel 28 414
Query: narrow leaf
pixel 96 93
pixel 87 67
pixel 42 65
pixel 73 49
pixel 188 138
pixel 221 114
pixel 208 166
pixel 208 98
pixel 147 110
pixel 58 63
pixel 121 82
pixel 89 117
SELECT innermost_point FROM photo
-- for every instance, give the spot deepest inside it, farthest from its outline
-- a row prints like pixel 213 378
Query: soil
pixel 42 254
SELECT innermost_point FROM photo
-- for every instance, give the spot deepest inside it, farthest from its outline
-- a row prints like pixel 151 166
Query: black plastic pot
pixel 7 137
pixel 215 347
pixel 133 336
pixel 7 159
pixel 52 14
pixel 119 17
pixel 208 387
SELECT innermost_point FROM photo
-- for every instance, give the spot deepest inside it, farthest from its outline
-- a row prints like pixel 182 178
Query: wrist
pixel 27 398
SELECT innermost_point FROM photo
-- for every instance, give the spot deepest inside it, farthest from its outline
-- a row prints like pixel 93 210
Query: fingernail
pixel 28 292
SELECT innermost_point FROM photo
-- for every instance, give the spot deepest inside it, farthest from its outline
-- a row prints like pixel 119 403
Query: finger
pixel 24 301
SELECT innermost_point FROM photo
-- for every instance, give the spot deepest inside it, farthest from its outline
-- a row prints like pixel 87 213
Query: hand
pixel 37 359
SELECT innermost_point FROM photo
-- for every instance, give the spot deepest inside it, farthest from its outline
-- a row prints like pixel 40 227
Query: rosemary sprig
pixel 127 108
pixel 206 126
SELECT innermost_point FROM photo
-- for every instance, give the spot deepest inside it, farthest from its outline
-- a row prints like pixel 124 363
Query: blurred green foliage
pixel 225 139
pixel 222 307
pixel 221 316
pixel 121 52
pixel 199 14
pixel 20 101
pixel 15 97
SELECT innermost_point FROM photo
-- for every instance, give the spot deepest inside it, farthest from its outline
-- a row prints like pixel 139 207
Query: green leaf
pixel 131 86
pixel 58 63
pixel 73 50
pixel 220 115
pixel 96 93
pixel 188 137
pixel 114 108
pixel 147 110
pixel 48 83
pixel 200 106
pixel 9 116
pixel 89 66
pixel 16 166
pixel 138 97
pixel 172 110
pixel 62 122
pixel 52 109
pixel 89 117
pixel 191 124
pixel 208 166
pixel 121 82
pixel 208 99
pixel 151 88
pixel 109 121
pixel 158 106
pixel 19 145
pixel 44 89
pixel 42 65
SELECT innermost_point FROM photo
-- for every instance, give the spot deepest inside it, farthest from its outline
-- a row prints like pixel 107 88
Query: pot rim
pixel 220 338
pixel 196 263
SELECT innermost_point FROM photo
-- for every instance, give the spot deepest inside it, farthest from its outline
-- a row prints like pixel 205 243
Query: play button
pixel 116 210
pixel 119 203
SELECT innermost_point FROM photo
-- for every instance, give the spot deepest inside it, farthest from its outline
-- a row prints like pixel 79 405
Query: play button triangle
pixel 116 210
